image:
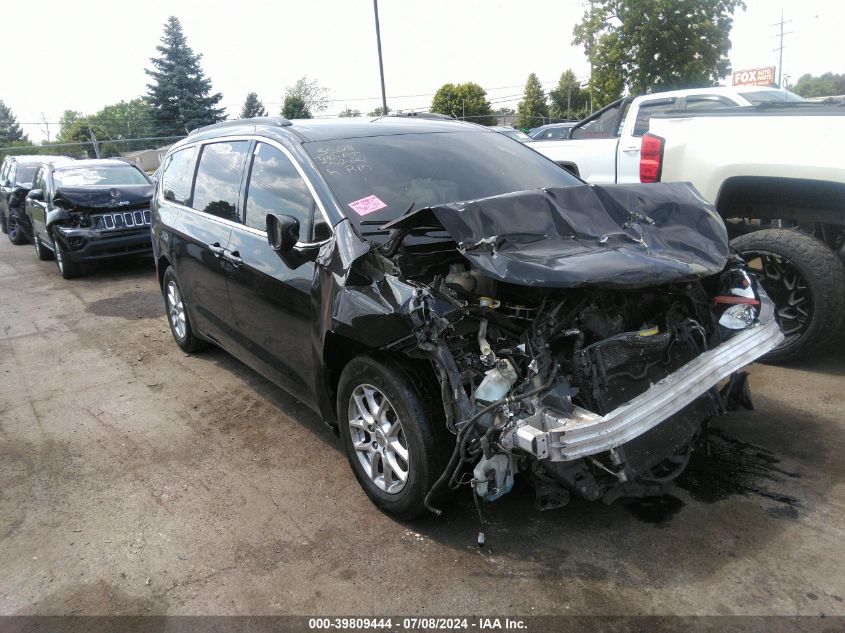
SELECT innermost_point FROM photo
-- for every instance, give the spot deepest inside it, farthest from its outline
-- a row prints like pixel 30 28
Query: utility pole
pixel 380 63
pixel 779 49
pixel 46 127
pixel 94 141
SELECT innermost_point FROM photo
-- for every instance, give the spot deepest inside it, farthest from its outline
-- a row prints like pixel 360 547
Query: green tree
pixel 295 108
pixel 568 100
pixel 310 93
pixel 465 101
pixel 655 45
pixel 504 112
pixel 10 131
pixel 533 109
pixel 180 94
pixel 349 112
pixel 826 85
pixel 127 120
pixel 252 107
pixel 379 111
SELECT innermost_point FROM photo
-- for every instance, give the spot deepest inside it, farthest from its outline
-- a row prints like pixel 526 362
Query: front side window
pixel 218 178
pixel 24 174
pixel 275 186
pixel 603 125
pixel 177 176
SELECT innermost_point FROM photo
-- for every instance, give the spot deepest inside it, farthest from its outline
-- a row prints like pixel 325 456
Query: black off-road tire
pixel 420 410
pixel 3 223
pixel 16 236
pixel 42 252
pixel 188 341
pixel 824 275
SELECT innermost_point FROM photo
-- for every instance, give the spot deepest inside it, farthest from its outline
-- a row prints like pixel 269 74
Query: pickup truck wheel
pixel 392 436
pixel 3 223
pixel 177 315
pixel 806 282
pixel 16 236
pixel 41 251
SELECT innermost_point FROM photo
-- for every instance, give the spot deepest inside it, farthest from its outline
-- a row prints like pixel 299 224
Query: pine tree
pixel 533 109
pixel 180 96
pixel 10 131
pixel 252 107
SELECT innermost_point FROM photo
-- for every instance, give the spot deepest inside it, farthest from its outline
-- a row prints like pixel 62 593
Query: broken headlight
pixel 738 300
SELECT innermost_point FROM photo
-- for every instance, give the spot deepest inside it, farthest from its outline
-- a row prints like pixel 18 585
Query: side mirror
pixel 282 232
pixel 35 194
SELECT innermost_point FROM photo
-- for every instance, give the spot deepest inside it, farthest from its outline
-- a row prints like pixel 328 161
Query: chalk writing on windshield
pixel 343 159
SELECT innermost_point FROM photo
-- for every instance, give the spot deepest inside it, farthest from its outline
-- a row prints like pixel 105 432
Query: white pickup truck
pixel 774 172
pixel 605 147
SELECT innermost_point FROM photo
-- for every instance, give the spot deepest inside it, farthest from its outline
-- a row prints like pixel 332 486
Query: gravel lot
pixel 137 480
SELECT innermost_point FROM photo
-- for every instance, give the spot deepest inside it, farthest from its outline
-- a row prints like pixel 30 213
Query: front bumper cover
pixel 88 245
pixel 560 437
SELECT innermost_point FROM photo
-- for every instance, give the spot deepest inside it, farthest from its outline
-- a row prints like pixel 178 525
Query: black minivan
pixel 456 304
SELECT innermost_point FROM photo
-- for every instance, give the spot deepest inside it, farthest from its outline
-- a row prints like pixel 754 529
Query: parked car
pixel 783 199
pixel 16 175
pixel 518 135
pixel 551 132
pixel 605 147
pixel 88 211
pixel 446 312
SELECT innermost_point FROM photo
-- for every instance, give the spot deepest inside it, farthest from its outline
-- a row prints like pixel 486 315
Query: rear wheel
pixel 16 236
pixel 806 282
pixel 177 315
pixel 41 251
pixel 3 223
pixel 393 436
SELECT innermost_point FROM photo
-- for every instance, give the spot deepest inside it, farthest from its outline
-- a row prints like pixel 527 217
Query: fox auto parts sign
pixel 755 77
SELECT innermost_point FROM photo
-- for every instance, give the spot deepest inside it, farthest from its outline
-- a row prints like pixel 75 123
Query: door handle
pixel 631 148
pixel 216 249
pixel 234 257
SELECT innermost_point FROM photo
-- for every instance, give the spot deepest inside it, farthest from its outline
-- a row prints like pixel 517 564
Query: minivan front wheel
pixel 390 433
pixel 177 315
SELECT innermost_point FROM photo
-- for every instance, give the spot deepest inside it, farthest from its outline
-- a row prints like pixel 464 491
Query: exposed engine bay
pixel 587 353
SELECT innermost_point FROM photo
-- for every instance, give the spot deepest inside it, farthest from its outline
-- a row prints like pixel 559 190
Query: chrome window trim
pixel 242 225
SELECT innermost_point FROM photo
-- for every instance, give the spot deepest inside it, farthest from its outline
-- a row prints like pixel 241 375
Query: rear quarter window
pixel 177 176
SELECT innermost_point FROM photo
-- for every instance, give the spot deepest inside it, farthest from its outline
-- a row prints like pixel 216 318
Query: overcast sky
pixel 85 54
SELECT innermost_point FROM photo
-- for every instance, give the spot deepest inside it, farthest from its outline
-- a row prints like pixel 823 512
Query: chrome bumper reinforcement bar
pixel 559 437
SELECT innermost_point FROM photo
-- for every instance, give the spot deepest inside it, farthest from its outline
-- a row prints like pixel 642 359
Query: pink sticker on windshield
pixel 367 205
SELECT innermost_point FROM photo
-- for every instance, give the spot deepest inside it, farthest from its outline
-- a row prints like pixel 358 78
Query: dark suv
pixel 88 211
pixel 461 308
pixel 16 176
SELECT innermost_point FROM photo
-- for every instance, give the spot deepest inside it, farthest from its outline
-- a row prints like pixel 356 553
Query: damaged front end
pixel 102 222
pixel 583 336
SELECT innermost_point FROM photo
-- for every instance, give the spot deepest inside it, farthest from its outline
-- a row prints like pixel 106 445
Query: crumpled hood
pixel 613 236
pixel 98 198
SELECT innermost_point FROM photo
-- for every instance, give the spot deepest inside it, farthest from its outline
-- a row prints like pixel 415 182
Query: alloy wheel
pixel 378 439
pixel 787 288
pixel 176 310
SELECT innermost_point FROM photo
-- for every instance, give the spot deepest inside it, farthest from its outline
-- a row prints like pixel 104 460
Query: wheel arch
pixel 777 198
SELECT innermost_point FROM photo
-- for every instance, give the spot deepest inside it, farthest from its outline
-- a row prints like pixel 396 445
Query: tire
pixel 3 223
pixel 177 315
pixel 421 432
pixel 805 280
pixel 16 236
pixel 42 252
pixel 67 270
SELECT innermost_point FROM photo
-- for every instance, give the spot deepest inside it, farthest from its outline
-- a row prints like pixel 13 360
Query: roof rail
pixel 279 121
pixel 423 115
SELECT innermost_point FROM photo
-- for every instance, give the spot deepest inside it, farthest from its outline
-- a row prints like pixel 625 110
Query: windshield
pixel 772 96
pixel 102 175
pixel 378 178
pixel 25 173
